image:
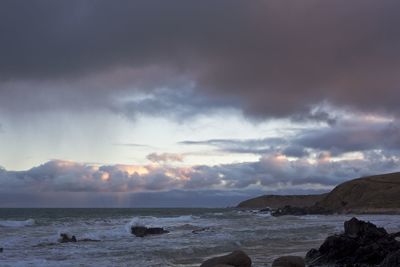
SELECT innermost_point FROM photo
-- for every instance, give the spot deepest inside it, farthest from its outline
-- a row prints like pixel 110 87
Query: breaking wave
pixel 9 223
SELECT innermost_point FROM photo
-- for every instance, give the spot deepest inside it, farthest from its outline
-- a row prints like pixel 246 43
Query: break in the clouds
pixel 274 58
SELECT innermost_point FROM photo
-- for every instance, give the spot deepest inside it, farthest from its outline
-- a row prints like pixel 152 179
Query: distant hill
pixel 372 194
pixel 278 201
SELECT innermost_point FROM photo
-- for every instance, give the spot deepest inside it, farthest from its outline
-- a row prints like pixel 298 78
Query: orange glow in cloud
pixel 132 169
pixel 105 176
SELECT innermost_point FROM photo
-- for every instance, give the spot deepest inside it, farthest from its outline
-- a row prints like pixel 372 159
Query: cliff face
pixel 373 194
pixel 277 201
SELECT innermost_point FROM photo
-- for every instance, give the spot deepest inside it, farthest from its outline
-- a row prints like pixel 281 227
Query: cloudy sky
pixel 194 103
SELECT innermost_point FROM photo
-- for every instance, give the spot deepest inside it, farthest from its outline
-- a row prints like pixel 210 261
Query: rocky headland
pixel 373 194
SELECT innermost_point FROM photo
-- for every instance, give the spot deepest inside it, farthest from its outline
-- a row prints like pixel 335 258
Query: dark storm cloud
pixel 274 58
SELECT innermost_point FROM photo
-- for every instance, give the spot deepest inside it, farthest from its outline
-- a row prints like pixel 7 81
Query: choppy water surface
pixel 29 236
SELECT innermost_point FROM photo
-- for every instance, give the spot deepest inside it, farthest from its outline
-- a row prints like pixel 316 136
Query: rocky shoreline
pixel 362 244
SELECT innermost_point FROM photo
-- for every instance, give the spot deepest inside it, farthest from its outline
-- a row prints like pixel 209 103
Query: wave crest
pixel 10 223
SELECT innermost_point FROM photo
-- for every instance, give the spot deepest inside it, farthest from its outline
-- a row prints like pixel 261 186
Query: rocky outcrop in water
pixel 289 261
pixel 65 238
pixel 361 244
pixel 1 250
pixel 142 231
pixel 235 259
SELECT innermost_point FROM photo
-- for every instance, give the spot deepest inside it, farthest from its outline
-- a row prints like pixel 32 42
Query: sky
pixel 194 103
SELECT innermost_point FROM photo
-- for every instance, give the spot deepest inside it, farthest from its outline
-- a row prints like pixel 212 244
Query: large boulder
pixel 361 244
pixel 354 228
pixel 289 261
pixel 142 231
pixel 235 259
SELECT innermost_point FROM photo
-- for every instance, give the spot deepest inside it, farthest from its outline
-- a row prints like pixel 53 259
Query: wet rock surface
pixel 361 244
pixel 391 260
pixel 235 259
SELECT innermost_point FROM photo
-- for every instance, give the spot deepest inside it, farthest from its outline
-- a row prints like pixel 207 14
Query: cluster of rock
pixel 361 244
pixel 142 231
pixel 65 238
pixel 291 210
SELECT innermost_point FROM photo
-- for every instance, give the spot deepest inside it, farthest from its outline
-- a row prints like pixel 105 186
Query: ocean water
pixel 29 236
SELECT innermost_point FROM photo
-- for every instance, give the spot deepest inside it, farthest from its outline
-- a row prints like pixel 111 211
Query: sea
pixel 29 237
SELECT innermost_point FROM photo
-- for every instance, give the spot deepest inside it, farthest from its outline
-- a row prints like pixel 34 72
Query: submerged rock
pixel 65 238
pixel 235 259
pixel 289 261
pixel 199 230
pixel 142 231
pixel 1 250
pixel 361 244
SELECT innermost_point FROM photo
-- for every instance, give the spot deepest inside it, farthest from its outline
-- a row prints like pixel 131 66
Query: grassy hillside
pixel 378 193
pixel 372 194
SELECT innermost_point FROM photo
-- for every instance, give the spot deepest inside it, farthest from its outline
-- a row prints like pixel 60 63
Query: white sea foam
pixel 9 223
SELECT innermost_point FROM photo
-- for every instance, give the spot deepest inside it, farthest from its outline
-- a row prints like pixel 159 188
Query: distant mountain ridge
pixel 372 194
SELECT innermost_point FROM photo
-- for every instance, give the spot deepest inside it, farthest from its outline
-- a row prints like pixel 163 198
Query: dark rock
pixel 199 230
pixel 361 244
pixel 142 231
pixel 313 254
pixel 236 259
pixel 1 250
pixel 289 261
pixel 290 210
pixel 65 238
pixel 392 260
pixel 354 228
